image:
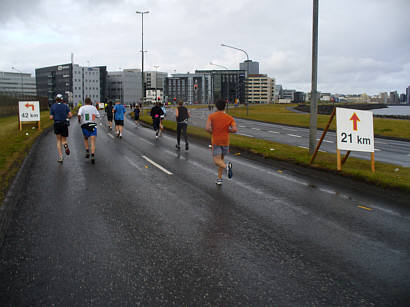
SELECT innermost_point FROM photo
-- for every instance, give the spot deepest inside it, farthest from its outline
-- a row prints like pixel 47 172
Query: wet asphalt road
pixel 386 150
pixel 126 232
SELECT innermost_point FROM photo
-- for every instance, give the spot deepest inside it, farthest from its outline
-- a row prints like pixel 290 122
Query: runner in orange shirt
pixel 220 124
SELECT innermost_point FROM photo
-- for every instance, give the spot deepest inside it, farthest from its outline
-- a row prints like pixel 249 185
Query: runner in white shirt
pixel 87 115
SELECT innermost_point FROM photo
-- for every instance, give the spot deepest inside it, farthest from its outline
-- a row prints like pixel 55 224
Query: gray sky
pixel 364 45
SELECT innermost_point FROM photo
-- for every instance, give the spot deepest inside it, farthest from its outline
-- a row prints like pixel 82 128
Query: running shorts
pixel 218 150
pixel 109 118
pixel 156 123
pixel 87 133
pixel 119 122
pixel 61 128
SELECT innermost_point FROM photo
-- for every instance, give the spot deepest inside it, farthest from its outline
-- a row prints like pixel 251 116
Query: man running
pixel 220 124
pixel 119 111
pixel 182 114
pixel 86 117
pixel 136 114
pixel 60 113
pixel 156 113
pixel 108 111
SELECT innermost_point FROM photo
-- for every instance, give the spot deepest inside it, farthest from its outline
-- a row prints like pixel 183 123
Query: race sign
pixel 354 130
pixel 29 111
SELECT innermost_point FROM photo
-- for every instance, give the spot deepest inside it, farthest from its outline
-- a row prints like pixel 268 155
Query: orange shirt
pixel 220 123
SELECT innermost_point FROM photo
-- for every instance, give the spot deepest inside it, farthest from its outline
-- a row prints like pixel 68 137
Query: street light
pixel 314 98
pixel 21 74
pixel 227 88
pixel 142 50
pixel 156 79
pixel 247 59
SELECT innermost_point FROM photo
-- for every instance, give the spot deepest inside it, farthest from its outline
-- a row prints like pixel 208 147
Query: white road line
pixel 251 136
pixel 144 140
pixel 157 165
pixel 290 129
pixel 133 164
pixel 294 135
pixel 377 149
pixel 110 135
pixel 256 129
pixel 303 147
pixel 100 124
pixel 273 131
pixel 326 141
pixel 242 126
pixel 322 150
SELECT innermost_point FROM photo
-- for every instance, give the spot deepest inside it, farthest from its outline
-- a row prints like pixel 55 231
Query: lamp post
pixel 247 59
pixel 227 87
pixel 142 51
pixel 313 98
pixel 21 74
pixel 156 80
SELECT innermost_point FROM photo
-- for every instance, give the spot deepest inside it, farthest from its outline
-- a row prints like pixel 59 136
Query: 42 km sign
pixel 354 130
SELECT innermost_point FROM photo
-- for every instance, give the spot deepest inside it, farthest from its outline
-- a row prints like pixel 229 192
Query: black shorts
pixel 109 118
pixel 155 123
pixel 119 122
pixel 61 128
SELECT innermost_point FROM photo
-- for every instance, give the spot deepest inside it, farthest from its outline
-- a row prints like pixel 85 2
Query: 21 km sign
pixel 354 130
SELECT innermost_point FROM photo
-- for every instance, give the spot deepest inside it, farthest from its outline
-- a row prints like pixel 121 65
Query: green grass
pixel 278 114
pixel 15 145
pixel 386 175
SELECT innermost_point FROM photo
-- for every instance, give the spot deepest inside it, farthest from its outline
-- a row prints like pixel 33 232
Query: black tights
pixel 181 127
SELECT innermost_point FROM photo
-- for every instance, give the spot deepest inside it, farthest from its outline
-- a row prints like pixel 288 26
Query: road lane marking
pixel 144 140
pixel 365 208
pixel 242 126
pixel 326 141
pixel 303 147
pixel 294 135
pixel 256 129
pixel 251 136
pixel 157 165
pixel 377 149
pixel 290 129
pixel 322 150
pixel 273 131
pixel 110 135
pixel 133 164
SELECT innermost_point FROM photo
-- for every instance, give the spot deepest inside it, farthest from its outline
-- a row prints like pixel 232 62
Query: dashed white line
pixel 157 165
pixel 273 131
pixel 256 129
pixel 290 129
pixel 377 149
pixel 242 126
pixel 303 147
pixel 294 135
pixel 251 136
pixel 110 135
pixel 133 164
pixel 326 141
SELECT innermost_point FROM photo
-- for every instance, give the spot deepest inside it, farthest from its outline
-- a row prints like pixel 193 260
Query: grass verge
pixel 278 114
pixel 386 175
pixel 15 145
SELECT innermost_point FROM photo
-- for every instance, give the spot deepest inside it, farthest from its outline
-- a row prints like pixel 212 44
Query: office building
pixel 74 82
pixel 191 88
pixel 125 86
pixel 408 95
pixel 250 67
pixel 278 93
pixel 299 97
pixel 15 83
pixel 288 94
pixel 259 89
pixel 394 98
pixel 154 79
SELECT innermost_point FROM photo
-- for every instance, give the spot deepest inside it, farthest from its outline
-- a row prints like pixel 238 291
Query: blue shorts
pixel 87 133
pixel 218 150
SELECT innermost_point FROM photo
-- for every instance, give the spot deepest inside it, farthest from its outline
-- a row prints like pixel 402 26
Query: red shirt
pixel 220 123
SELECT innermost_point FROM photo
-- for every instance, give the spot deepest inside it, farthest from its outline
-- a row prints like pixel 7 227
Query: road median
pixel 386 175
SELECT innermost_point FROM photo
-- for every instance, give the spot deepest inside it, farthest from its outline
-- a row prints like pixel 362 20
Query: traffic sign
pixel 354 130
pixel 29 111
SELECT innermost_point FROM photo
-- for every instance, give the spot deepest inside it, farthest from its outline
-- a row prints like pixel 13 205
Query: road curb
pixel 13 196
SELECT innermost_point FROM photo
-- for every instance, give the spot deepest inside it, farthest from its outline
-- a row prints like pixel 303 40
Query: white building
pixel 17 83
pixel 154 79
pixel 86 83
pixel 259 89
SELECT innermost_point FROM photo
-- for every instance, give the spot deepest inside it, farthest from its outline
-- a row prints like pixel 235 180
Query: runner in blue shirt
pixel 119 112
pixel 60 113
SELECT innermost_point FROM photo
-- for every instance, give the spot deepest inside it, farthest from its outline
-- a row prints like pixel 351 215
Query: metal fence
pixel 9 103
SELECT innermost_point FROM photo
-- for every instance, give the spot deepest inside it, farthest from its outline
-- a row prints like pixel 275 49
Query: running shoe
pixel 178 147
pixel 218 181
pixel 229 170
pixel 92 159
pixel 186 146
pixel 120 136
pixel 87 154
pixel 60 159
pixel 67 150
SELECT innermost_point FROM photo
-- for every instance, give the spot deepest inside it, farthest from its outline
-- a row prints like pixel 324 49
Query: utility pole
pixel 314 96
pixel 142 52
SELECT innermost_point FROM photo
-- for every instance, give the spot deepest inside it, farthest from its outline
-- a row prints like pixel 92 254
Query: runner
pixel 182 114
pixel 86 117
pixel 108 111
pixel 119 111
pixel 156 113
pixel 164 109
pixel 220 124
pixel 60 113
pixel 136 114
